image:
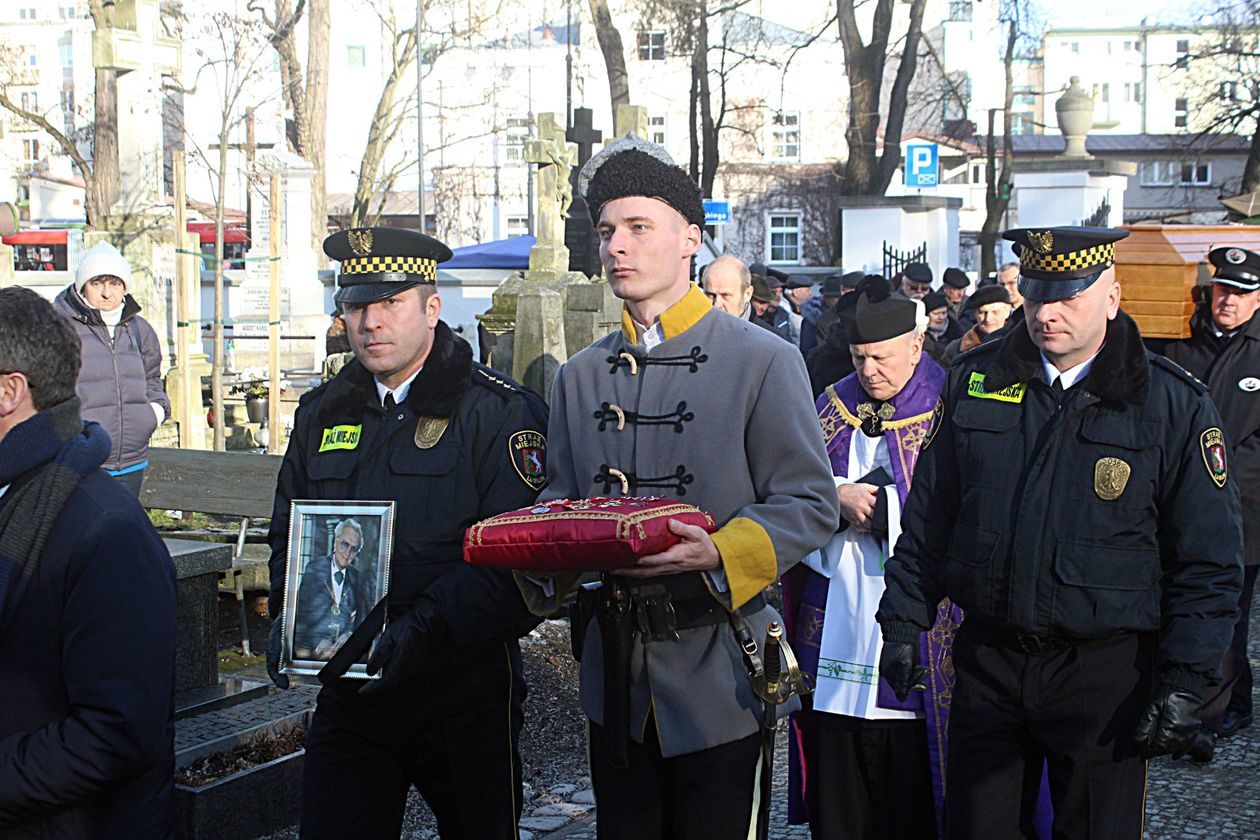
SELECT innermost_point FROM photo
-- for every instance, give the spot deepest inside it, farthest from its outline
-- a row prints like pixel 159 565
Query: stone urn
pixel 1075 113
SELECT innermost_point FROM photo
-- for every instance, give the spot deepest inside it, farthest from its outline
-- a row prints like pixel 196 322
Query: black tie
pixel 1057 386
pixel 339 576
pixel 390 405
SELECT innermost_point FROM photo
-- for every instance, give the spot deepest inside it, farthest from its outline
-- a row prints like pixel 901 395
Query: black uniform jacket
pixel 1231 369
pixel 477 468
pixel 1112 513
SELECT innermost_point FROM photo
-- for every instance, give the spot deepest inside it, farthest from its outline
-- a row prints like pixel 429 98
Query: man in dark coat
pixel 87 609
pixel 1074 498
pixel 412 419
pixel 1224 351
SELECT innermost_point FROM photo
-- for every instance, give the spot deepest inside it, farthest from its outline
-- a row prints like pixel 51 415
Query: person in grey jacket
pixel 120 381
pixel 688 403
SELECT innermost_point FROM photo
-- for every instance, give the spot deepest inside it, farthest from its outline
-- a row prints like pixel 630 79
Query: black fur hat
pixel 630 166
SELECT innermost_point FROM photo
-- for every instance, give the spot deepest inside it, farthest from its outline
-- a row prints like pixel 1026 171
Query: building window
pixel 1075 47
pixel 1183 54
pixel 652 45
pixel 1196 174
pixel 356 56
pixel 517 132
pixel 656 129
pixel 1228 92
pixel 1132 91
pixel 30 101
pixel 785 135
pixel 1102 92
pixel 1181 112
pixel 783 238
pixel 517 225
pixel 67 55
pixel 1157 173
pixel 977 167
pixel 30 151
pixel 960 10
pixel 30 59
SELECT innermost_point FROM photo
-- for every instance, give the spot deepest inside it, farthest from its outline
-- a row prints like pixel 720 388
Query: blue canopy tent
pixel 511 254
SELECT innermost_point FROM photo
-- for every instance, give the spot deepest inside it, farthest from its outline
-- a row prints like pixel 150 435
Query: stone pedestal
pixel 1068 191
pixel 591 311
pixel 539 339
pixel 197 567
pixel 905 222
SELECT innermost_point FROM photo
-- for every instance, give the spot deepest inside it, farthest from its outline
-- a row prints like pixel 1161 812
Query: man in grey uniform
pixel 673 405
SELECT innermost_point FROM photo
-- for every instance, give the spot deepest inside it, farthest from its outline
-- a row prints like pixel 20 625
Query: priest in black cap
pixel 414 420
pixel 1074 497
pixel 1223 350
pixel 860 756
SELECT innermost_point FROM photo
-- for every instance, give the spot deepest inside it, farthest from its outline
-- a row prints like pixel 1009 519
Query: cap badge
pixel 1111 476
pixel 361 242
pixel 1249 384
pixel 1042 242
pixel 1235 256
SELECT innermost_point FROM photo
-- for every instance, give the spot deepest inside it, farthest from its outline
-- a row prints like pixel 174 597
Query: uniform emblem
pixel 938 416
pixel 528 451
pixel 1249 384
pixel 1235 256
pixel 1111 476
pixel 340 437
pixel 1011 393
pixel 361 242
pixel 1043 242
pixel 429 431
pixel 1212 443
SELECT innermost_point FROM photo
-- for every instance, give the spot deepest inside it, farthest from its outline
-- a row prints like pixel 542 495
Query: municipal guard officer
pixel 414 420
pixel 1074 497
pixel 1224 351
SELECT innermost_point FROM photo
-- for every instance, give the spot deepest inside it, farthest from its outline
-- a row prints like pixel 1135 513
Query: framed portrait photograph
pixel 338 569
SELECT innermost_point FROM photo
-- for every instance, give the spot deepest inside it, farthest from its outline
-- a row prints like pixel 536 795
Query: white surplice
pixel 848 664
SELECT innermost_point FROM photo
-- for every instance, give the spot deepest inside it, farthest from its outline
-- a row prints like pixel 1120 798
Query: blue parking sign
pixel 922 165
pixel 716 212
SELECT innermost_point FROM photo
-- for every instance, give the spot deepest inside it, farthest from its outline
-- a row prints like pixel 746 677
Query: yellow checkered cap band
pixel 1099 256
pixel 426 268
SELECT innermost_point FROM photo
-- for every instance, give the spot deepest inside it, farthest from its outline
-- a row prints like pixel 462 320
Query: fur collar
pixel 1121 374
pixel 435 392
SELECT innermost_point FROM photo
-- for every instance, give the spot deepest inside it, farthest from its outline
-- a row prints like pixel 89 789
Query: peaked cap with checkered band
pixel 379 262
pixel 1061 262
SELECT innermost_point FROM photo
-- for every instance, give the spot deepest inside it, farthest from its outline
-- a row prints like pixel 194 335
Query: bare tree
pixel 305 96
pixel 1222 79
pixel 997 194
pixel 614 54
pixel 865 171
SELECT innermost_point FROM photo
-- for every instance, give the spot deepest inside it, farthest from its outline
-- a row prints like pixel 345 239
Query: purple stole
pixel 805 591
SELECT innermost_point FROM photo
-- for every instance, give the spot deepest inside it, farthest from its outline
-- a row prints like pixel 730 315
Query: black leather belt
pixel 1027 643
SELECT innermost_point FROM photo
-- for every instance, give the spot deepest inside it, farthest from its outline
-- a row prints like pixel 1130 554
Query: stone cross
pixel 631 119
pixel 553 193
pixel 138 50
pixel 579 232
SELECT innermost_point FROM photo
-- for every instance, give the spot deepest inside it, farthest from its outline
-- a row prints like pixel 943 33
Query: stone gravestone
pixel 579 231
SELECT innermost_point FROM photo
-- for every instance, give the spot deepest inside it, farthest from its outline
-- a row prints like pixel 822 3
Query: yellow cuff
pixel 747 558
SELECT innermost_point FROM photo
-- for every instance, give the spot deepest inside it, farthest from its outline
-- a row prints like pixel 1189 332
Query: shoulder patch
pixel 528 451
pixel 1212 445
pixel 1178 372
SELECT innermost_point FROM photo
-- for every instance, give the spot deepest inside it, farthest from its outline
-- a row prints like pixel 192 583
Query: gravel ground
pixel 1220 800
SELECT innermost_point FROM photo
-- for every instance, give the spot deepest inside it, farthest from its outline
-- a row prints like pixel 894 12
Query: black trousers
pixel 1233 693
pixel 867 779
pixel 460 752
pixel 707 795
pixel 1072 710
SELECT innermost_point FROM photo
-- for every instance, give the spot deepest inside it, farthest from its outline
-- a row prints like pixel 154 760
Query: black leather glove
pixel 274 641
pixel 899 664
pixel 1170 722
pixel 404 648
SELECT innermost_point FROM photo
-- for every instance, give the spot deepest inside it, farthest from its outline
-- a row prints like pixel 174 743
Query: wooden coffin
pixel 1159 267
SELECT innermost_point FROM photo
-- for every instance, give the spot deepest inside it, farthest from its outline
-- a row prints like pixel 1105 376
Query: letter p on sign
pixel 922 165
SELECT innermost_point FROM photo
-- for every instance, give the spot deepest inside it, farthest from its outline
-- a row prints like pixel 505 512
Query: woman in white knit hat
pixel 120 381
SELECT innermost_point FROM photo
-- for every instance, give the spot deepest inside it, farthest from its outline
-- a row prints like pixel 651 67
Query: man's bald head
pixel 728 283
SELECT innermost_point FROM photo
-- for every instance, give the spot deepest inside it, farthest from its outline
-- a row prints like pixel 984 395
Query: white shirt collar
pixel 650 336
pixel 400 393
pixel 1069 377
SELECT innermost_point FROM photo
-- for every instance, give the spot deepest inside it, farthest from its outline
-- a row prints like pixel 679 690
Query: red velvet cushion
pixel 596 534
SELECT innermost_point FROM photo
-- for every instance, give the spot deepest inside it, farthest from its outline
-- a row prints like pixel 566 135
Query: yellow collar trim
pixel 890 425
pixel 676 320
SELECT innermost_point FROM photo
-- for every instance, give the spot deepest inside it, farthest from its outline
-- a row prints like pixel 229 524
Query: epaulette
pixel 1178 372
pixel 492 380
pixel 310 395
pixel 978 350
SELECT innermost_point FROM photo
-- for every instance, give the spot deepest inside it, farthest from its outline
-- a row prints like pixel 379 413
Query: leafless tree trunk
pixel 614 54
pixel 868 173
pixel 997 195
pixel 103 186
pixel 386 123
pixel 1251 171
